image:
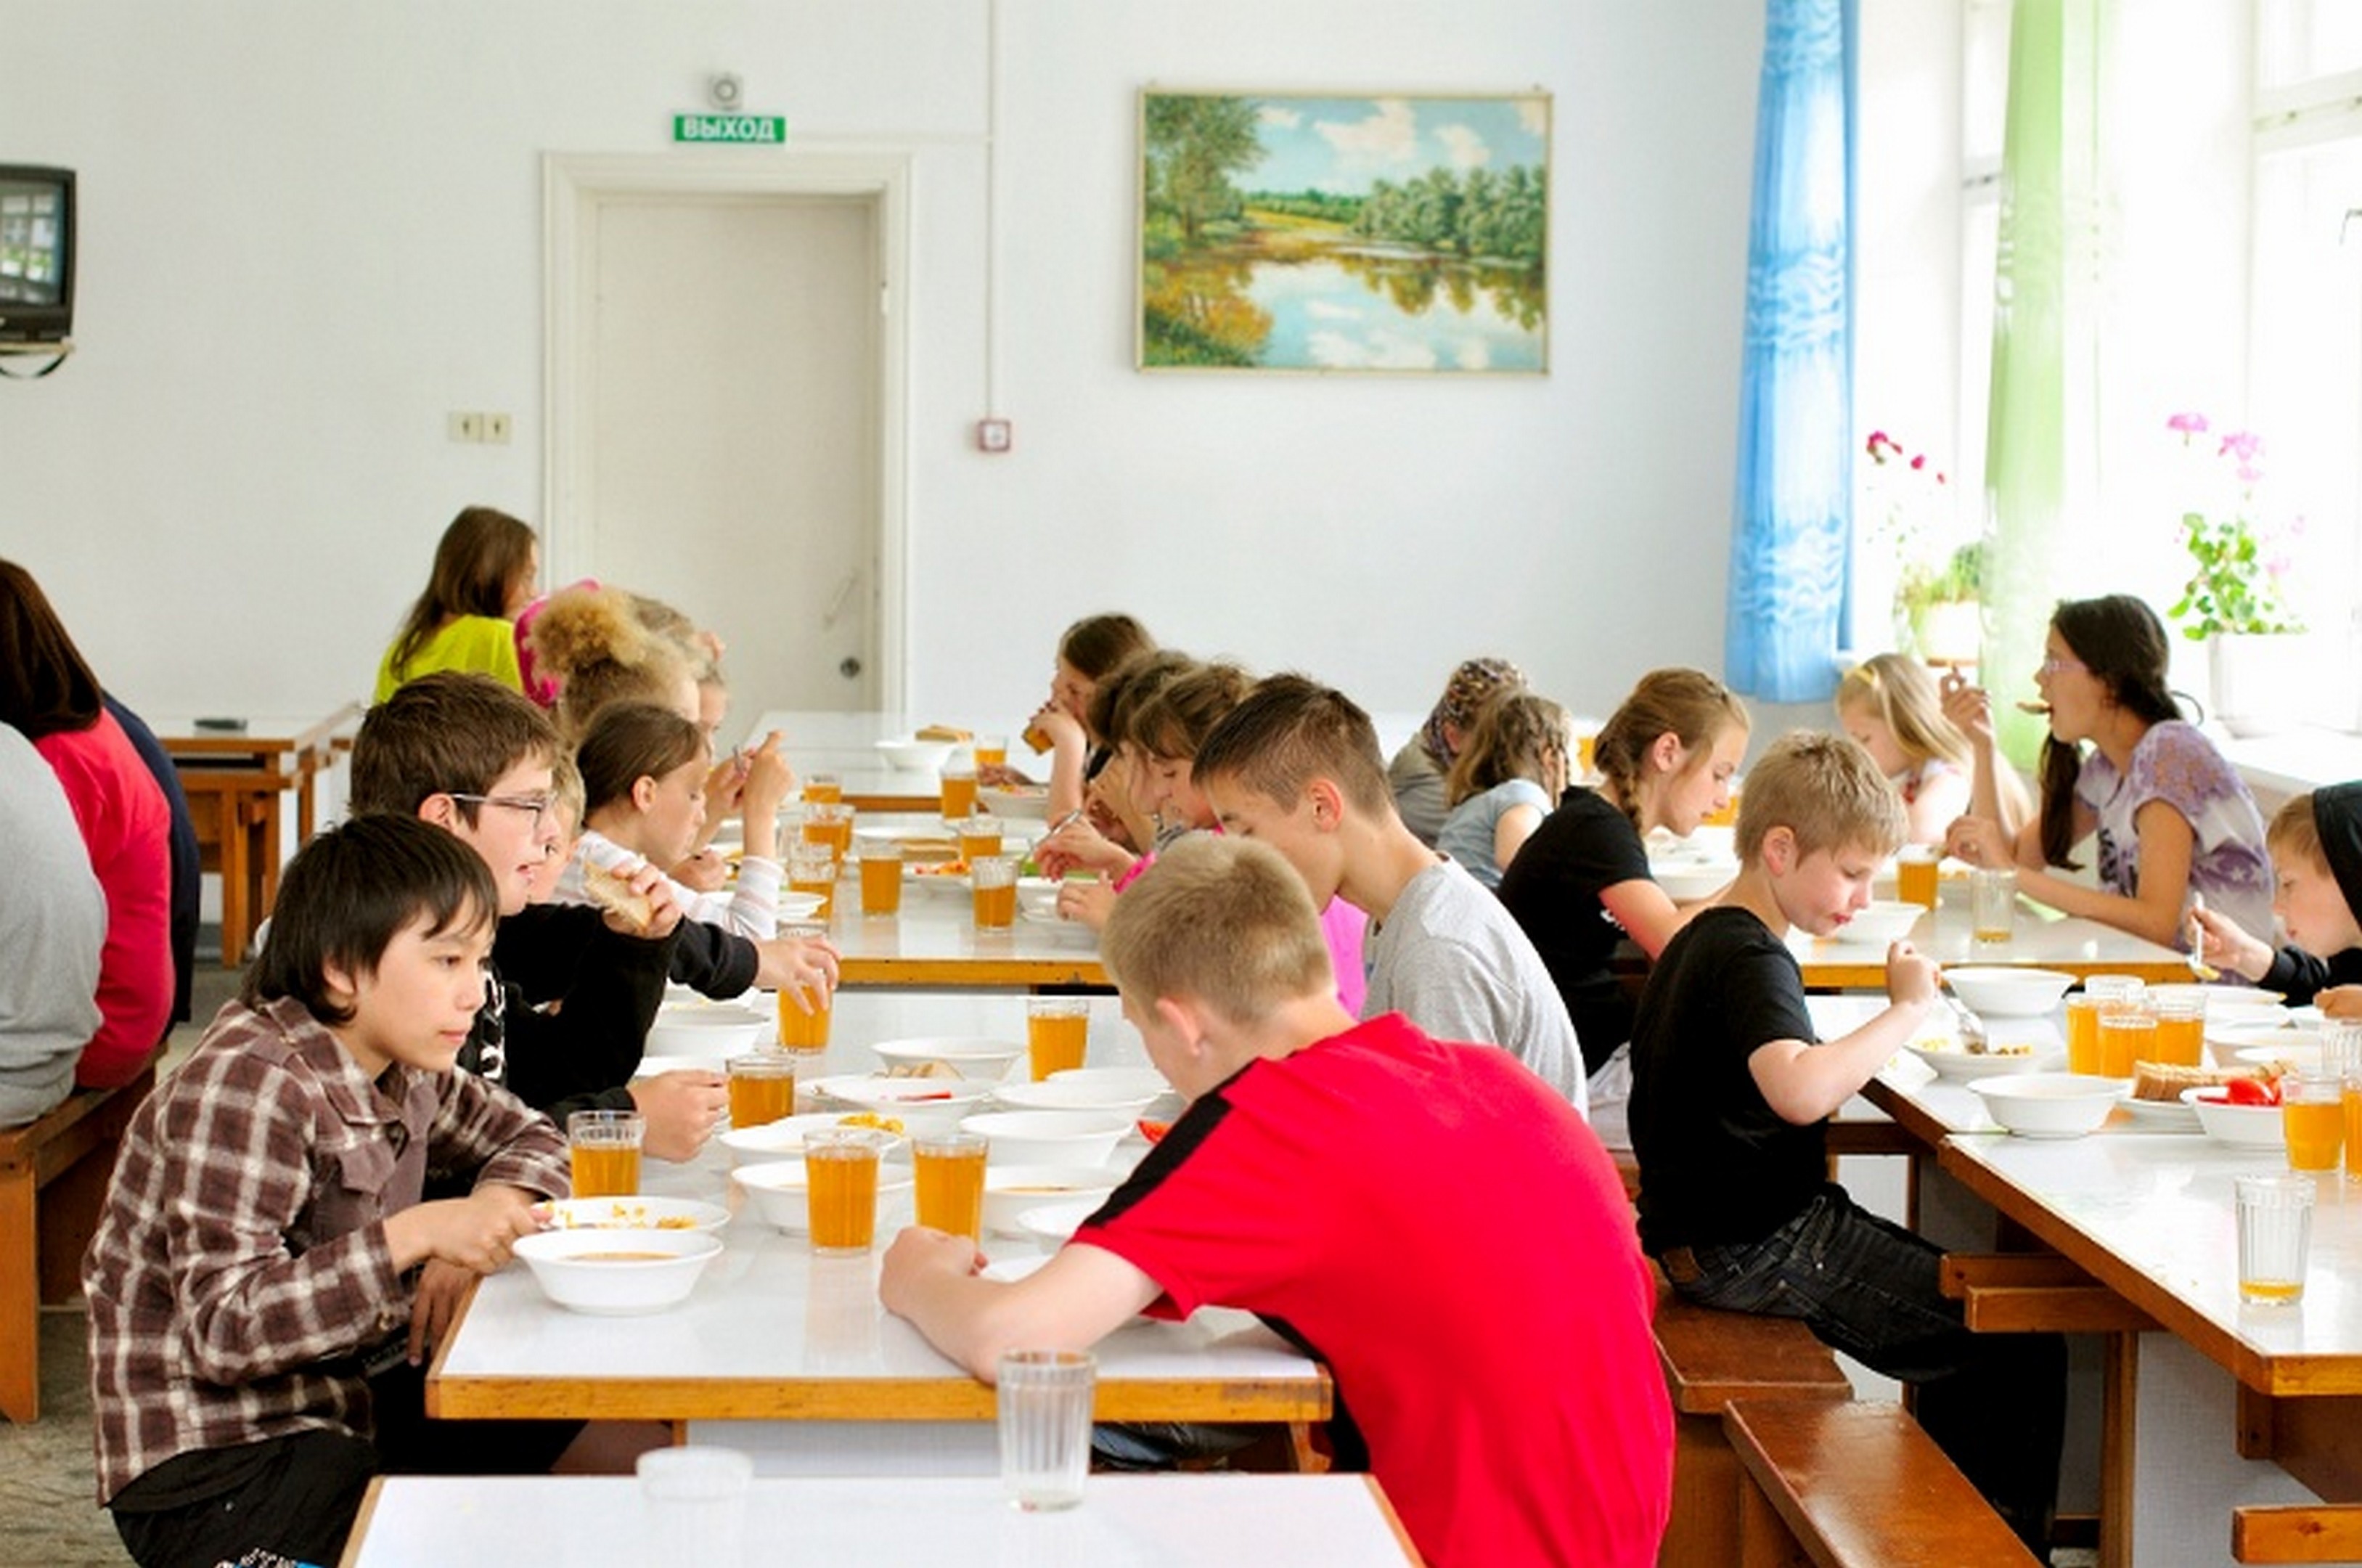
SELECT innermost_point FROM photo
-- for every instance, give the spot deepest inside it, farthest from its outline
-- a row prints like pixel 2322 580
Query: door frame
pixel 573 186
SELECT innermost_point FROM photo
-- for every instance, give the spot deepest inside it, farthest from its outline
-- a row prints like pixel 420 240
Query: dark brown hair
pixel 481 555
pixel 1130 684
pixel 1290 731
pixel 1096 645
pixel 444 733
pixel 1177 717
pixel 351 891
pixel 632 741
pixel 46 686
pixel 2120 641
pixel 1516 732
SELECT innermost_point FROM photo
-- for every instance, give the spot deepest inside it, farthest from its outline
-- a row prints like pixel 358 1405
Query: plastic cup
pixel 841 1190
pixel 1045 1404
pixel 2313 1112
pixel 1057 1034
pixel 994 879
pixel 604 1148
pixel 1915 875
pixel 948 1168
pixel 762 1087
pixel 2274 1231
pixel 881 876
pixel 1992 903
pixel 959 791
pixel 695 1503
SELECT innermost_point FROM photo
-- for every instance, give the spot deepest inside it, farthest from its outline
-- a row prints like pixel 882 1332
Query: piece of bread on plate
pixel 942 733
pixel 612 892
pixel 2165 1080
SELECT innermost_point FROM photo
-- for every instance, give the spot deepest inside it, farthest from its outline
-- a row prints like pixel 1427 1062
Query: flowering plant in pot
pixel 2234 601
pixel 1938 574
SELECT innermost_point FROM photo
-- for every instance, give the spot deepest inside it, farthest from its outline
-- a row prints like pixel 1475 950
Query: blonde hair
pixel 1903 694
pixel 601 650
pixel 1687 704
pixel 1516 734
pixel 1825 791
pixel 1224 922
pixel 566 792
pixel 2296 832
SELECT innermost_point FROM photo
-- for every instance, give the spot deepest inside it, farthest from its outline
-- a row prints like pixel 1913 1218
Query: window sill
pixel 2276 766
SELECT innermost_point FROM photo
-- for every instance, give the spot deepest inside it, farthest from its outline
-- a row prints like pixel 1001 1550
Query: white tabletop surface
pixel 2041 939
pixel 1151 1521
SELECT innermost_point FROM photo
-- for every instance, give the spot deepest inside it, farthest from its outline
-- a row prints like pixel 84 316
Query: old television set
pixel 37 254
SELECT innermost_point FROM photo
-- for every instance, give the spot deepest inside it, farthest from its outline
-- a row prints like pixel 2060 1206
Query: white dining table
pixel 1123 1521
pixel 2040 938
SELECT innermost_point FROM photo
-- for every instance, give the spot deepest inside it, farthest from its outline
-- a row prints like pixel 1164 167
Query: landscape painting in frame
pixel 1387 233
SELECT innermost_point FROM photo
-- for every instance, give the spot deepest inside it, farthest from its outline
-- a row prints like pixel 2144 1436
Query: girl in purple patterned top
pixel 2172 816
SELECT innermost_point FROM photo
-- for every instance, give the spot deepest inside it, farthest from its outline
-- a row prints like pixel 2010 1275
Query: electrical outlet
pixel 496 429
pixel 466 426
pixel 992 434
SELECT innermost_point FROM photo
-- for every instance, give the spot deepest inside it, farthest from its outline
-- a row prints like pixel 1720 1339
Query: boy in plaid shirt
pixel 250 1282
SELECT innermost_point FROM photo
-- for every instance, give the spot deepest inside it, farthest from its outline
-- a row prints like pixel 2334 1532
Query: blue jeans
pixel 1994 1403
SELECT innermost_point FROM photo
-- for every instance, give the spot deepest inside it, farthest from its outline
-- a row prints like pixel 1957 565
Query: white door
pixel 730 422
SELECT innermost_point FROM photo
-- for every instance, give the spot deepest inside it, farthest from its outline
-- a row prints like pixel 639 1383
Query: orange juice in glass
pixel 1914 876
pixel 881 876
pixel 959 792
pixel 1057 1034
pixel 841 1189
pixel 762 1087
pixel 2181 1031
pixel 949 1169
pixel 823 789
pixel 1729 813
pixel 604 1148
pixel 2313 1111
pixel 799 1030
pixel 2353 1106
pixel 1586 750
pixel 979 837
pixel 812 869
pixel 2082 1032
pixel 830 824
pixel 991 751
pixel 993 881
pixel 2127 1034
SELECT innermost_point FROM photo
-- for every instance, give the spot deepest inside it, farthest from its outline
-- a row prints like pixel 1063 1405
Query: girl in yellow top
pixel 484 572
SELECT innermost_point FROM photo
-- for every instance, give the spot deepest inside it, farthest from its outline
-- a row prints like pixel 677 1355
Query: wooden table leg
pixel 230 843
pixel 2119 1405
pixel 266 861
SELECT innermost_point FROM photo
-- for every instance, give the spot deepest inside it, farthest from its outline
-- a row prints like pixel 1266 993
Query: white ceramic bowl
pixel 2002 991
pixel 1032 804
pixel 1879 923
pixel 974 1055
pixel 911 755
pixel 1956 1065
pixel 636 1214
pixel 1117 1080
pixel 718 1030
pixel 1012 1190
pixel 777 1192
pixel 1053 1225
pixel 651 1065
pixel 1685 881
pixel 2298 1055
pixel 793 905
pixel 918 1102
pixel 2050 1105
pixel 784 1139
pixel 617 1274
pixel 1119 1098
pixel 2242 1126
pixel 1038 897
pixel 1050 1137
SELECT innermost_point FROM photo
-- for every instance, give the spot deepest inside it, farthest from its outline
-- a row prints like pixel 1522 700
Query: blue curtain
pixel 1792 528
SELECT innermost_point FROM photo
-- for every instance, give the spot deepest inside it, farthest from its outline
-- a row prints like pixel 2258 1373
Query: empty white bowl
pixel 616 1274
pixel 2242 1126
pixel 917 1102
pixel 1879 923
pixel 1038 897
pixel 1119 1080
pixel 911 755
pixel 1012 1190
pixel 781 1197
pixel 722 1029
pixel 1955 1065
pixel 1120 1099
pixel 1053 1225
pixel 971 1055
pixel 1027 803
pixel 2050 1105
pixel 2003 991
pixel 1689 880
pixel 1050 1137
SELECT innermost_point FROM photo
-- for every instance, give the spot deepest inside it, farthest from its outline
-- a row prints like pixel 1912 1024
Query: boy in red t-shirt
pixel 1430 1220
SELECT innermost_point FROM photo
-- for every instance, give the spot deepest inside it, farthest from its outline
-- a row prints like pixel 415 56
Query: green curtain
pixel 2041 423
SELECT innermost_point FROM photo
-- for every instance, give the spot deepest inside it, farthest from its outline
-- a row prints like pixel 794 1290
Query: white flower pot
pixel 1950 632
pixel 2256 682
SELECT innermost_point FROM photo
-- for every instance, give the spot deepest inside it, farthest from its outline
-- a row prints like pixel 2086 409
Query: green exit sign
pixel 769 130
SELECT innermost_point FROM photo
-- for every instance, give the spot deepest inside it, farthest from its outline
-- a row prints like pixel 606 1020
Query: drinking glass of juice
pixel 823 789
pixel 606 1150
pixel 2082 1032
pixel 762 1087
pixel 841 1189
pixel 994 879
pixel 1057 1032
pixel 2127 1034
pixel 991 751
pixel 830 823
pixel 979 835
pixel 2353 1103
pixel 881 876
pixel 803 1027
pixel 1915 875
pixel 959 787
pixel 2313 1110
pixel 2181 1030
pixel 813 869
pixel 949 1169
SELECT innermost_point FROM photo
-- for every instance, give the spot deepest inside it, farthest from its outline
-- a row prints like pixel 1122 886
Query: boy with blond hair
pixel 1435 1195
pixel 2315 843
pixel 1297 765
pixel 1731 1096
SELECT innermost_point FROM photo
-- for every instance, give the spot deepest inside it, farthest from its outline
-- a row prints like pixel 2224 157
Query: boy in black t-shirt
pixel 1730 1102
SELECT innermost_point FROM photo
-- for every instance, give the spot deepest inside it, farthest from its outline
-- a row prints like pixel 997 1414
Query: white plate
pixel 975 1056
pixel 784 1139
pixel 1070 1095
pixel 1132 1080
pixel 793 905
pixel 635 1214
pixel 2161 1115
pixel 894 1096
pixel 1958 1067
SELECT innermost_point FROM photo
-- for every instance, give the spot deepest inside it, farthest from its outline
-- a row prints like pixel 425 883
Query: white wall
pixel 310 231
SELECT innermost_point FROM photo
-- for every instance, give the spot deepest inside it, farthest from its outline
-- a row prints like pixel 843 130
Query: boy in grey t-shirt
pixel 1297 766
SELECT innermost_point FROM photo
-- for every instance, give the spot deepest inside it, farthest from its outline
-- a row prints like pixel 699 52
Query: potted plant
pixel 1939 576
pixel 2233 601
pixel 1945 606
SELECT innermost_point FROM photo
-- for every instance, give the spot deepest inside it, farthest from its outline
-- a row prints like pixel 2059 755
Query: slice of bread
pixel 2165 1081
pixel 943 733
pixel 612 891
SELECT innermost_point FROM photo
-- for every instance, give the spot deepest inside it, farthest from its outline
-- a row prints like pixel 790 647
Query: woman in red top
pixel 48 691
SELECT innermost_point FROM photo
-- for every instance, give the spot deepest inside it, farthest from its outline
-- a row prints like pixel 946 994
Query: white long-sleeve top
pixel 750 908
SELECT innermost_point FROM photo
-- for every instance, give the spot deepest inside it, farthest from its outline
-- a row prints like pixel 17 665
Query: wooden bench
pixel 1856 1486
pixel 53 1176
pixel 1711 1358
pixel 2296 1533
